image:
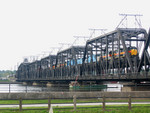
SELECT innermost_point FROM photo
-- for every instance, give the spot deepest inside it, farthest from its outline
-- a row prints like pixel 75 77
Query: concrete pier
pixel 49 84
pixel 25 83
pixel 35 83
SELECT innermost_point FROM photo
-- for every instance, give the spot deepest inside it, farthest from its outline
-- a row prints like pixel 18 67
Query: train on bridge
pixel 122 54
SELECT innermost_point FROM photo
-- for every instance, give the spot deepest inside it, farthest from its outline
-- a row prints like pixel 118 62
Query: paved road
pixel 78 104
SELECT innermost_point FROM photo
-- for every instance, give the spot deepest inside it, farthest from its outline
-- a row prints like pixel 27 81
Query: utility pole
pixel 94 30
pixel 62 45
pixel 124 20
pixel 79 37
pixel 53 50
pixel 65 44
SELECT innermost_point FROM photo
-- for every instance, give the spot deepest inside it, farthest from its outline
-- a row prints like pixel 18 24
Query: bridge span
pixel 121 55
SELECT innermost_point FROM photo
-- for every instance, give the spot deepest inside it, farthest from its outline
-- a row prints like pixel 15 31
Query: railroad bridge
pixel 120 55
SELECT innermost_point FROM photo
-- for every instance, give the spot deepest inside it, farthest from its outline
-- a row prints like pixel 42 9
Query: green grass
pixel 109 109
pixel 4 81
pixel 80 109
pixel 88 109
pixel 9 101
pixel 35 101
pixel 26 111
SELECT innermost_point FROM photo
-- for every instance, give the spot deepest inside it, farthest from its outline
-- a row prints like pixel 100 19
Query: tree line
pixel 4 73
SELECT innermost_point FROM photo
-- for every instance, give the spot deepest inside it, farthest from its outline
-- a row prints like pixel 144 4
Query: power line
pixel 79 37
pixel 94 30
pixel 125 19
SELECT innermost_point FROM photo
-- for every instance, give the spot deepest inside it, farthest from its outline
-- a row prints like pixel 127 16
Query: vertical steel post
pixel 126 52
pixel 119 55
pixel 106 68
pixel 101 57
pixel 96 59
pixel 146 45
pixel 113 55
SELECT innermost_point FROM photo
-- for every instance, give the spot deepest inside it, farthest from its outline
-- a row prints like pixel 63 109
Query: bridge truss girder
pixel 117 41
pixel 67 61
pixel 97 64
pixel 145 55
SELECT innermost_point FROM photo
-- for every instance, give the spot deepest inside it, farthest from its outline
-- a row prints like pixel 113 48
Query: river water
pixel 111 87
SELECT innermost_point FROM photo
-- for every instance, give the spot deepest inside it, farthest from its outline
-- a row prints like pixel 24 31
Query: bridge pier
pixel 24 83
pixel 49 84
pixel 35 83
pixel 57 84
pixel 27 83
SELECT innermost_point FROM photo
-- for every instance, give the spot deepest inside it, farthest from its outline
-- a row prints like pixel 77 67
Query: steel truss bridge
pixel 104 58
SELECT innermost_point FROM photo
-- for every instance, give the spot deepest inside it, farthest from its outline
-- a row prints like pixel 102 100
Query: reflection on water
pixel 109 87
pixel 6 88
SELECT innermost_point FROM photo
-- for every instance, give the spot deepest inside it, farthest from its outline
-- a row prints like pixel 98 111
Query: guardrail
pixel 73 102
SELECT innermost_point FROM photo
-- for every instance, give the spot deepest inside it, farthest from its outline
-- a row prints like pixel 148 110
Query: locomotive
pixel 131 50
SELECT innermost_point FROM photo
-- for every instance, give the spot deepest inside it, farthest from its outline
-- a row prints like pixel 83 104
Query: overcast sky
pixel 29 27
